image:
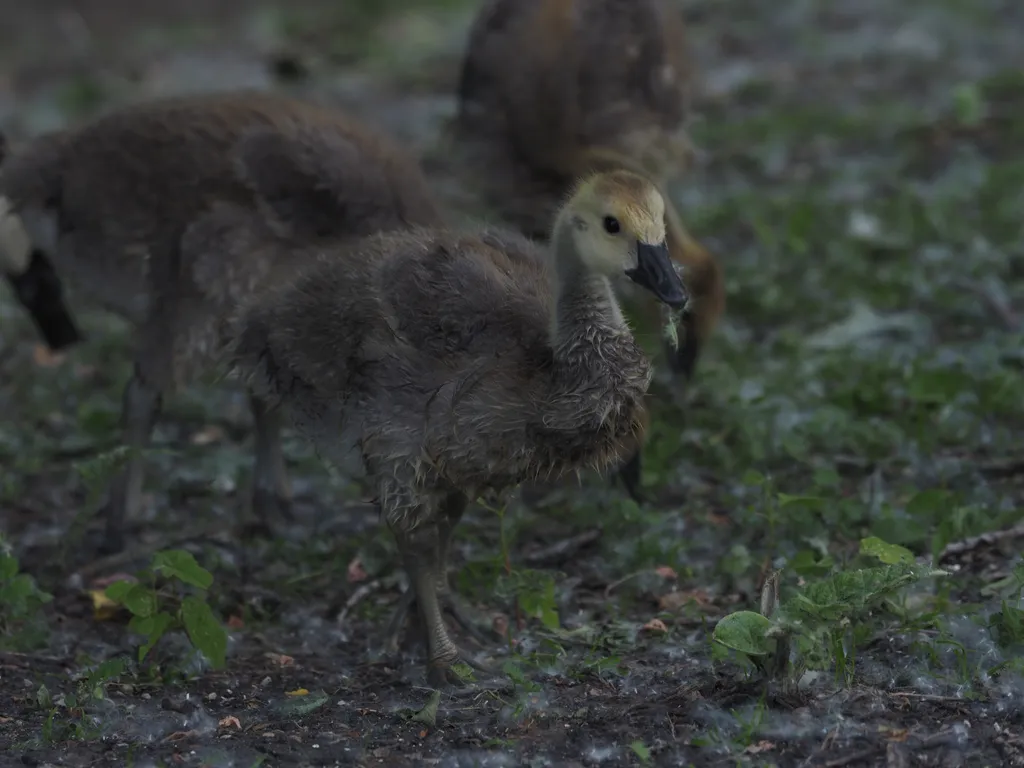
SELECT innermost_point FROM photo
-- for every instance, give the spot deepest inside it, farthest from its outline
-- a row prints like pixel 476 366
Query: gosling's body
pixel 432 351
pixel 552 90
pixel 550 79
pixel 465 364
pixel 120 206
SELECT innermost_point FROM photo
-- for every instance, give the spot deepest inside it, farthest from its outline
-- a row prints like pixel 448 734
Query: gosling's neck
pixel 583 300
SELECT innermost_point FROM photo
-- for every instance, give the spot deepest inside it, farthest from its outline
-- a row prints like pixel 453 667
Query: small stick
pixel 990 539
pixel 357 597
pixel 127 555
pixel 562 549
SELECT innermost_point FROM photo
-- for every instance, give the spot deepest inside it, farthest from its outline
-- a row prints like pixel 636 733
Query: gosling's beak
pixel 38 289
pixel 655 272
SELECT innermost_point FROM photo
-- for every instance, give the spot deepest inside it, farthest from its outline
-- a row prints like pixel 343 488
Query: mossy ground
pixel 862 180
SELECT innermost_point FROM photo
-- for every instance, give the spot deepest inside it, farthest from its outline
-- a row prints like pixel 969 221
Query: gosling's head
pixel 617 224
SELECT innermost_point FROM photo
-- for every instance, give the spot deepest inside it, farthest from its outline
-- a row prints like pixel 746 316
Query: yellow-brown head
pixel 617 224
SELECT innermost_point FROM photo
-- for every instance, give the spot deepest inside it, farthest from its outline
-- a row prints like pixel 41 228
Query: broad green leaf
pixel 138 599
pixel 744 631
pixel 887 553
pixel 119 590
pixel 154 627
pixel 183 566
pixel 428 715
pixel 205 632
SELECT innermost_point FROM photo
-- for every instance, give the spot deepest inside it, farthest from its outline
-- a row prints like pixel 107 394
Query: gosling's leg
pixel 452 509
pixel 140 409
pixel 271 491
pixel 450 513
pixel 419 549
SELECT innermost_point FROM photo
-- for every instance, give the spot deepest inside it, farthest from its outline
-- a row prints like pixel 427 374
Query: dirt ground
pixel 861 177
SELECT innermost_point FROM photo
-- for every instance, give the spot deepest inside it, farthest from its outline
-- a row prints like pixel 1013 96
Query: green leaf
pixel 8 567
pixel 183 566
pixel 302 705
pixel 746 632
pixel 931 505
pixel 205 632
pixel 154 627
pixel 641 751
pixel 514 672
pixel 849 592
pixel 785 499
pixel 138 599
pixel 428 715
pixel 887 553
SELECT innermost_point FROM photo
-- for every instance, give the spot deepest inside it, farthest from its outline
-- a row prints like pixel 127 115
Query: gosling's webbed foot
pixel 480 630
pixel 470 620
pixel 441 674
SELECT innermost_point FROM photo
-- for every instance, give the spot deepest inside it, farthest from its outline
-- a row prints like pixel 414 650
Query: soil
pixel 607 690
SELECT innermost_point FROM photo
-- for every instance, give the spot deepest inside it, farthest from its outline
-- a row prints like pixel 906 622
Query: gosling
pixel 551 90
pixel 119 206
pixel 461 365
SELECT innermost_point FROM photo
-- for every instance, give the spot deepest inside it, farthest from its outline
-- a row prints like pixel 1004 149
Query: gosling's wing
pixel 468 295
pixel 321 179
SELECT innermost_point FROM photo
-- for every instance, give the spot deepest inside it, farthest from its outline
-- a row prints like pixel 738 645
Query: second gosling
pixel 460 365
pixel 120 206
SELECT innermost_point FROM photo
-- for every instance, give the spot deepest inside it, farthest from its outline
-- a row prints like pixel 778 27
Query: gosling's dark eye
pixel 611 225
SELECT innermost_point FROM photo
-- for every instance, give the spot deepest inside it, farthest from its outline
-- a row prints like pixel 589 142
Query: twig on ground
pixel 563 548
pixel 985 539
pixel 849 757
pixel 142 551
pixel 364 591
pixel 927 696
pixel 616 584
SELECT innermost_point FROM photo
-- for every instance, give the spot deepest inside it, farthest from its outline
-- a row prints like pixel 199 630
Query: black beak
pixel 38 289
pixel 655 272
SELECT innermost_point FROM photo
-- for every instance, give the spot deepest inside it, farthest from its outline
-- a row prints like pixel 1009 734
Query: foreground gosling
pixel 465 364
pixel 118 206
pixel 551 90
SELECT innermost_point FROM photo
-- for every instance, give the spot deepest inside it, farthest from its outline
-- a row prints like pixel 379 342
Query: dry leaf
pixel 280 658
pixel 666 572
pixel 180 735
pixel 500 625
pixel 207 435
pixel 423 733
pixel 761 746
pixel 228 721
pixel 356 572
pixel 235 622
pixel 103 608
pixel 673 601
pixel 297 692
pixel 83 371
pixel 655 625
pixel 45 358
pixel 894 734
